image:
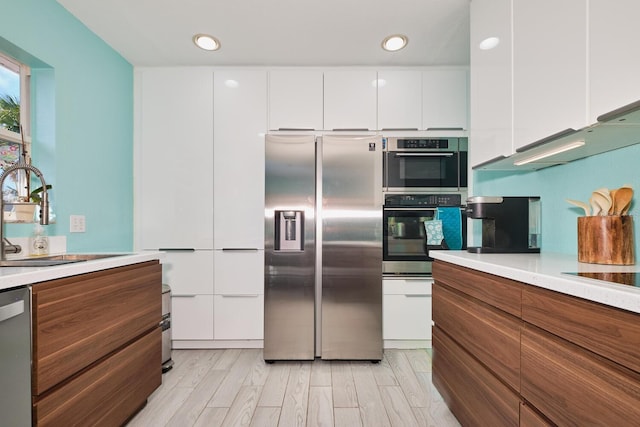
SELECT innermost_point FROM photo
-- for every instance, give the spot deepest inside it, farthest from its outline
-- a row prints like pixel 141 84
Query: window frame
pixel 23 138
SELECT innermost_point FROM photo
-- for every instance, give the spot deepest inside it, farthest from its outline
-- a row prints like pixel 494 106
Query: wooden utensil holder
pixel 606 240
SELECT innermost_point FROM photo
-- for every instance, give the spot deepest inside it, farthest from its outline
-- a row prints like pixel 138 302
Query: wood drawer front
pixel 108 393
pixel 530 418
pixel 497 291
pixel 610 332
pixel 474 395
pixel 78 320
pixel 572 386
pixel 491 335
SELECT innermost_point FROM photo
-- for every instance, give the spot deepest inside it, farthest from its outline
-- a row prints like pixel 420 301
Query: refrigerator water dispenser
pixel 289 231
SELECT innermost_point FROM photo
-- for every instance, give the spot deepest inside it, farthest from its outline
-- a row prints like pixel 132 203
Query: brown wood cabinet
pixel 578 361
pixel 96 345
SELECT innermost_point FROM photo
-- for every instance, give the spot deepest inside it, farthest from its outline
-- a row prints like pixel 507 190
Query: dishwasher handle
pixel 11 310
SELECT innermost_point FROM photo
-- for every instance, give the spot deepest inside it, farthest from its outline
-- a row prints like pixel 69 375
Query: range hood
pixel 616 129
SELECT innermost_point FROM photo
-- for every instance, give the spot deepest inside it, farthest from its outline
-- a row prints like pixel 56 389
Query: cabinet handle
pixel 240 296
pixel 445 128
pixel 394 129
pixel 177 249
pixel 239 249
pixel 351 129
pixel 416 295
pixel 11 310
pixel 183 295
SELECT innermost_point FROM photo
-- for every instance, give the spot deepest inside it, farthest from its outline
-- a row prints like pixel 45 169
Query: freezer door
pixel 351 247
pixel 289 247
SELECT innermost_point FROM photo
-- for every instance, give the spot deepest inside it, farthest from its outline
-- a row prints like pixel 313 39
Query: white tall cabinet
pixel 491 76
pixel 174 188
pixel 614 56
pixel 240 122
pixel 549 68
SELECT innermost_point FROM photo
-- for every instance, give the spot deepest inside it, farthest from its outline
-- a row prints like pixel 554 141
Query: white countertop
pixel 545 271
pixel 11 277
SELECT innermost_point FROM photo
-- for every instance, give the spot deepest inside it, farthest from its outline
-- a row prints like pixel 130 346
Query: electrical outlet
pixel 77 224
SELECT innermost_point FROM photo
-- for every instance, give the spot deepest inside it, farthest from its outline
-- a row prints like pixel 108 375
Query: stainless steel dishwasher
pixel 15 357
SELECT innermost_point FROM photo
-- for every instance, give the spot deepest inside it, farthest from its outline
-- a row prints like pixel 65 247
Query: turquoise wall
pixel 82 117
pixel 575 180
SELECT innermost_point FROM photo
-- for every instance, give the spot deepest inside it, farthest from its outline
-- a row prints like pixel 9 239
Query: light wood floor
pixel 237 388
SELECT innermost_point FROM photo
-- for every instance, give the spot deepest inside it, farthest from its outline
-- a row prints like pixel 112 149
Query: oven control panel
pixel 423 200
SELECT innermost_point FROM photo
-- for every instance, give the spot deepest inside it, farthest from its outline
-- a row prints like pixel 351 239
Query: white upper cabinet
pixel 490 133
pixel 295 99
pixel 614 57
pixel 174 157
pixel 399 99
pixel 240 117
pixel 445 97
pixel 350 99
pixel 549 68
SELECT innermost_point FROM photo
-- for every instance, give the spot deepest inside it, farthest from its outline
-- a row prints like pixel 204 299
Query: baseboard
pixel 407 344
pixel 216 344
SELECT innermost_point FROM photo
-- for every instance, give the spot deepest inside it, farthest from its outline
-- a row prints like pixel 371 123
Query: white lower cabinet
pixel 192 317
pixel 190 276
pixel 238 317
pixel 406 312
pixel 238 308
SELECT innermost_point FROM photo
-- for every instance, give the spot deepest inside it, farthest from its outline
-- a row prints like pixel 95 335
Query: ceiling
pixel 280 32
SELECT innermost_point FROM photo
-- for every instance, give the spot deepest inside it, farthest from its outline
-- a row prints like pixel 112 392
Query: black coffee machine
pixel 509 224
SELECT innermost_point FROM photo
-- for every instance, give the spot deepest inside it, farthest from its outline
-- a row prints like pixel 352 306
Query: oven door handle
pixel 424 154
pixel 414 209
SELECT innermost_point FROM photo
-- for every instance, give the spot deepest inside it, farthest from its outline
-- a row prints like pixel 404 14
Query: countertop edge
pixel 13 277
pixel 545 270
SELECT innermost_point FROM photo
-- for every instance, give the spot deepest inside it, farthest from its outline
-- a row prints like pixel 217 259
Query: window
pixel 14 123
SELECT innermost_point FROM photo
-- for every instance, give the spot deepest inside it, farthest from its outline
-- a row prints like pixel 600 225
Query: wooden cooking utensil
pixel 580 204
pixel 623 200
pixel 612 209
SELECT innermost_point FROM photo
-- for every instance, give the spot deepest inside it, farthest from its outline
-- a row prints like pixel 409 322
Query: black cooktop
pixel 627 278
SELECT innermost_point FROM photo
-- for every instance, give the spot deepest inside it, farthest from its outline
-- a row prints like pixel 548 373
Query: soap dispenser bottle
pixel 38 242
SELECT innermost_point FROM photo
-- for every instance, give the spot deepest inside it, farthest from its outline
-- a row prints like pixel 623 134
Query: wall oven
pixel 404 238
pixel 425 164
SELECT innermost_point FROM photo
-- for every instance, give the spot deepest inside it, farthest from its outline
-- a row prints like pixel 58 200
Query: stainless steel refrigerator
pixel 323 247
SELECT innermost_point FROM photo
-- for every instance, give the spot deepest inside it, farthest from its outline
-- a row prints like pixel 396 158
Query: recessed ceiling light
pixel 378 83
pixel 206 42
pixel 394 42
pixel 231 83
pixel 489 43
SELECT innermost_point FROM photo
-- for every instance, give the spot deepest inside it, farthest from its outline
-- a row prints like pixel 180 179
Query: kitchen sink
pixel 48 261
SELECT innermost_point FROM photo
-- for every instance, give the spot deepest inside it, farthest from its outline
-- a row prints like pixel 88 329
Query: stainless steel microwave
pixel 425 164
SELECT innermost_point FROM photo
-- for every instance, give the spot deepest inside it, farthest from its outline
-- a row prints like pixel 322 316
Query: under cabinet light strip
pixel 549 153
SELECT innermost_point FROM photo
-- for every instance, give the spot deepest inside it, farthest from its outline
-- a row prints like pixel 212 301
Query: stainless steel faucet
pixel 44 203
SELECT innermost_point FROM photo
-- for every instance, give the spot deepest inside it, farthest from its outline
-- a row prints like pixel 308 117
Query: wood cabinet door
pixel 474 395
pixel 573 386
pixel 496 291
pixel 607 331
pixel 492 336
pixel 109 393
pixel 78 320
pixel 530 418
